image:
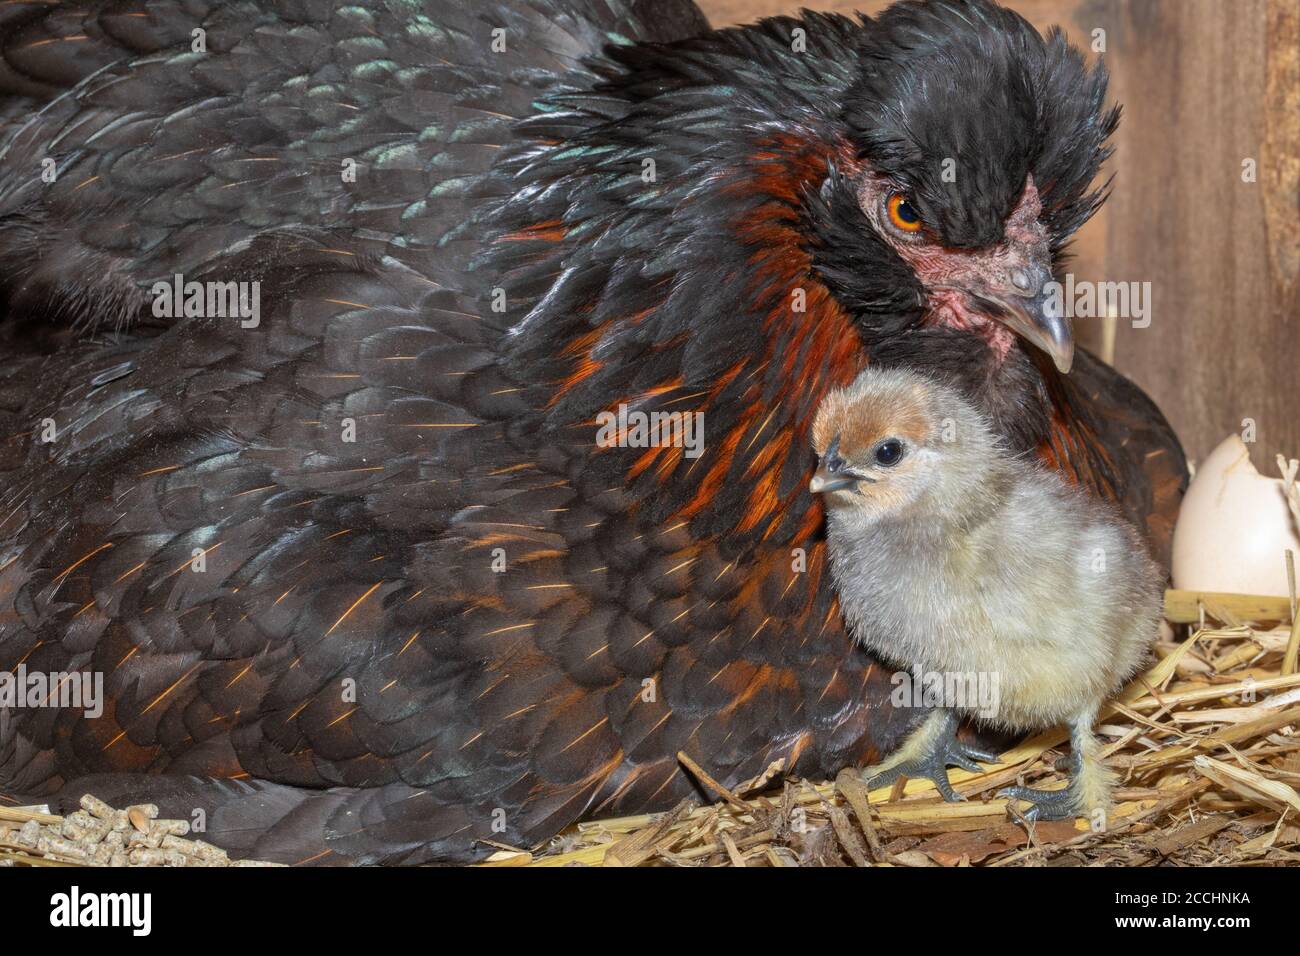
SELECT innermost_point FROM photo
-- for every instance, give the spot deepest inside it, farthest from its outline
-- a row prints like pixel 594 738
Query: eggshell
pixel 1234 528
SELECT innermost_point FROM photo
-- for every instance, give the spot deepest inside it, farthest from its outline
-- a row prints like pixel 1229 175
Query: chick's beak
pixel 1023 304
pixel 825 480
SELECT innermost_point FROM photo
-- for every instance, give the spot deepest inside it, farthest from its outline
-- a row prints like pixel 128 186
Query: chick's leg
pixel 928 753
pixel 1090 782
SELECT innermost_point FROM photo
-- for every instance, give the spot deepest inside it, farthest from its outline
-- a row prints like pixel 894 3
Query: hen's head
pixel 975 141
pixel 738 223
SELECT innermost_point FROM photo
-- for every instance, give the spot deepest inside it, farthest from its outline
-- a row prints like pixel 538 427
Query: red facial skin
pixel 951 276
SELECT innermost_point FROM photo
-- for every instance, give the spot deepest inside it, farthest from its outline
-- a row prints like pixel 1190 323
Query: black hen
pixel 361 582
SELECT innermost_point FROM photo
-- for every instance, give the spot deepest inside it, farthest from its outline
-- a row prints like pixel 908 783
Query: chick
pixel 951 556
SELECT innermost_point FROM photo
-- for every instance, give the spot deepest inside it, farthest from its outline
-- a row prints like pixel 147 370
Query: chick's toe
pixel 1045 804
pixel 927 754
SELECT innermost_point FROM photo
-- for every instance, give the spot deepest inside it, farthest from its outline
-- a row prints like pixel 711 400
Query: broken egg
pixel 1234 528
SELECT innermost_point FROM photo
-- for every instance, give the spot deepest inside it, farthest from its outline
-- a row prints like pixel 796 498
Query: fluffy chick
pixel 952 556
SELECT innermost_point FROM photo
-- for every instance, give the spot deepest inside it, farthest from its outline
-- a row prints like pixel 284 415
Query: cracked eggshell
pixel 1234 528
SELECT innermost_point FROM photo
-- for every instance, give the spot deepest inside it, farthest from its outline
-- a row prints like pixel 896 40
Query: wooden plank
pixel 1184 607
pixel 1224 340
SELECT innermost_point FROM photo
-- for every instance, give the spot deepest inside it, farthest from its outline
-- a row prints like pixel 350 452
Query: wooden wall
pixel 1206 85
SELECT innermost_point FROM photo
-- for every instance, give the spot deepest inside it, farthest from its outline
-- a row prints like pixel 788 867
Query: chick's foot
pixel 928 754
pixel 1045 804
pixel 1090 781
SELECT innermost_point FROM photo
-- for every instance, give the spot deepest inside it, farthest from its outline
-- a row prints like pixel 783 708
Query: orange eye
pixel 903 214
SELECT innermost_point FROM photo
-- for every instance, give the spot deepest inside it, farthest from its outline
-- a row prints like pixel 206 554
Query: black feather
pixel 463 622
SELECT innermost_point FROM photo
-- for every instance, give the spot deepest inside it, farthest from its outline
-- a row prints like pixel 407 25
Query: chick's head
pixel 894 439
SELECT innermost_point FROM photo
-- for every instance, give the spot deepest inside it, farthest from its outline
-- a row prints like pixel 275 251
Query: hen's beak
pixel 1024 306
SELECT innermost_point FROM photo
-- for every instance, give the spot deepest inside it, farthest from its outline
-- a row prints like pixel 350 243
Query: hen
pixel 361 583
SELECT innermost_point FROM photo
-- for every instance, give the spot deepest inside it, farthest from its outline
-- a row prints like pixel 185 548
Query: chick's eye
pixel 902 214
pixel 889 453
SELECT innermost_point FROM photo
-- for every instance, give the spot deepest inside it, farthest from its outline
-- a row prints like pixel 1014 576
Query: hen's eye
pixel 902 214
pixel 889 453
